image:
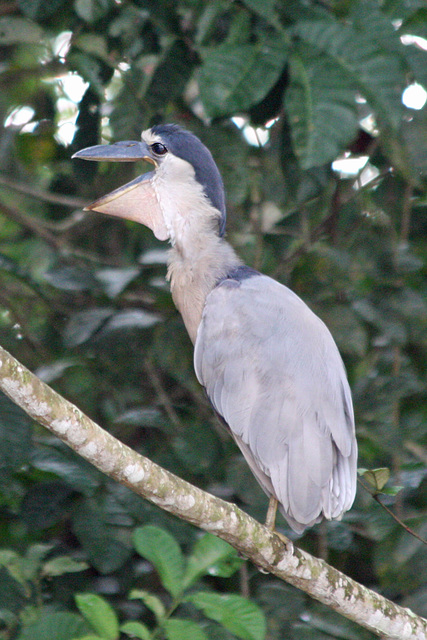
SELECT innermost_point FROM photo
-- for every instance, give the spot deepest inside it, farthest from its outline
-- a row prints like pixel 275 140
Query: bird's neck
pixel 196 263
pixel 199 257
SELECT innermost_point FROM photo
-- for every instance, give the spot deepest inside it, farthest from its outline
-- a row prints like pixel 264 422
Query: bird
pixel 269 365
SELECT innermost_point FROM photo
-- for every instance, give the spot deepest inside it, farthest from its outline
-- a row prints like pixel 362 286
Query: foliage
pixel 209 556
pixel 278 91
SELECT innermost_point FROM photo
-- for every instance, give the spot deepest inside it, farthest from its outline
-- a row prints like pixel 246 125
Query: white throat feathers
pixel 198 257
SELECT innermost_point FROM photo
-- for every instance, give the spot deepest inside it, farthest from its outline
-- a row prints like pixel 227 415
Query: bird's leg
pixel 270 521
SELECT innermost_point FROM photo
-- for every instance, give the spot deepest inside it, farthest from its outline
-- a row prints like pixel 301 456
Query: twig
pixel 390 512
pixel 40 194
pixel 30 223
pixel 249 537
pixel 162 394
pixel 244 581
pixel 398 520
pixel 417 450
pixel 406 213
pixel 44 230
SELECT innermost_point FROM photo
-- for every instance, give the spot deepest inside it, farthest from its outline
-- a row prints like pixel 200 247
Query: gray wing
pixel 273 372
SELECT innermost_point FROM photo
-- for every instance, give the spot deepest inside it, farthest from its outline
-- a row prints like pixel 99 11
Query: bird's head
pixel 184 186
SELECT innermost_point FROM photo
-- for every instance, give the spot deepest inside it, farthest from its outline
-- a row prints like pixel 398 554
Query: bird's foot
pixel 286 541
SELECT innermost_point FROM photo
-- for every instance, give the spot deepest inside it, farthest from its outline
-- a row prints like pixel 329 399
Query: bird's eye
pixel 158 149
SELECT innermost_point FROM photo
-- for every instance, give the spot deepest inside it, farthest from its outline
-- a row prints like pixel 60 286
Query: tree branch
pixel 47 196
pixel 256 542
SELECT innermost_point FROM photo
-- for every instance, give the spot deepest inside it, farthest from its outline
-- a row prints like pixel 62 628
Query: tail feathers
pixel 303 501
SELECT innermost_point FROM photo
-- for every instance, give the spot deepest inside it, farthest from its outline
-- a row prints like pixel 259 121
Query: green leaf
pixel 58 459
pixel 136 630
pixel 70 278
pixel 376 72
pixel 400 155
pixel 114 281
pixel 143 416
pixel 377 478
pixel 392 491
pixel 63 564
pixel 415 23
pixel 26 568
pixel 234 77
pixel 162 550
pixel 17 30
pixel 325 625
pixel 13 563
pixel 322 108
pixel 36 148
pixel 55 626
pixel 265 9
pixel 369 20
pixel 416 59
pixel 197 448
pixel 99 614
pixel 414 130
pixel 349 333
pixel 240 616
pixel 128 116
pixel 91 68
pixel 208 20
pixel 95 527
pixel 130 319
pixel 95 45
pixel 83 325
pixel 171 75
pixel 39 9
pixel 240 29
pixel 151 602
pixel 213 556
pixel 15 435
pixel 32 562
pixel 8 618
pixel 176 629
pixel 235 167
pixel 92 10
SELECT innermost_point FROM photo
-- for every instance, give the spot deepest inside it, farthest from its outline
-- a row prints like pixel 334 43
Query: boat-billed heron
pixel 269 365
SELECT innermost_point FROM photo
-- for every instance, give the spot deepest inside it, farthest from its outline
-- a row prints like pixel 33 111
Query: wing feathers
pixel 273 372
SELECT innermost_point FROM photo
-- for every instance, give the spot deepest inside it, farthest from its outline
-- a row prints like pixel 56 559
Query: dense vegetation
pixel 278 91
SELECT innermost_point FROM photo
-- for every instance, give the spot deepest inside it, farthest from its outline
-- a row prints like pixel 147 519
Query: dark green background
pixel 83 301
